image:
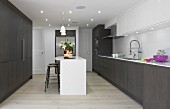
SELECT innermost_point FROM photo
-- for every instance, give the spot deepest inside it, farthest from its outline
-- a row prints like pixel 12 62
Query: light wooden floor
pixel 100 95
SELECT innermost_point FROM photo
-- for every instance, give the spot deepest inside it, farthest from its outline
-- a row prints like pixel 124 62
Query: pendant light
pixel 63 30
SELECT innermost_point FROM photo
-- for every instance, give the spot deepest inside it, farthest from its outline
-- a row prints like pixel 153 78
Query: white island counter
pixel 72 76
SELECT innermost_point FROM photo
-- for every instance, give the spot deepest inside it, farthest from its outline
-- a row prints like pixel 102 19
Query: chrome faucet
pixel 138 47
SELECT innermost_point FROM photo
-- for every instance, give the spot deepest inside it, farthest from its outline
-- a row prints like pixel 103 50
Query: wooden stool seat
pixel 52 66
pixel 53 63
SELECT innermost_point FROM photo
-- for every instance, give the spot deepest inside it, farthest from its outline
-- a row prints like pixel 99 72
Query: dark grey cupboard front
pixel 15 49
pixel 147 84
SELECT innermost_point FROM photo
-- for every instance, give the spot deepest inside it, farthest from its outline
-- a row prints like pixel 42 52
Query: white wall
pixel 49 42
pixel 151 42
pixel 85 46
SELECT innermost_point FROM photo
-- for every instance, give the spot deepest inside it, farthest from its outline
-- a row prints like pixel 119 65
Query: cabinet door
pixel 12 79
pixel 29 39
pixel 4 32
pixel 155 87
pixel 122 68
pixel 122 25
pixel 135 79
pixel 12 40
pixel 113 74
pixel 161 13
pixel 20 37
pixel 20 72
pixel 27 68
pixel 25 39
pixel 3 79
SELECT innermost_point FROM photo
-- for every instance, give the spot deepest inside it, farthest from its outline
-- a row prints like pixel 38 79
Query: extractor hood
pixel 113 33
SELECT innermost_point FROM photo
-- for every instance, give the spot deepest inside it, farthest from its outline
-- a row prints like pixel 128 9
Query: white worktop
pixel 163 64
pixel 74 58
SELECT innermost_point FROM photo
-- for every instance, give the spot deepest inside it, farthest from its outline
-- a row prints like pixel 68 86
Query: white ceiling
pixel 53 11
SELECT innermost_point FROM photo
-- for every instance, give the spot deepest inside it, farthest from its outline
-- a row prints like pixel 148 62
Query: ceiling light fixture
pixel 87 24
pixel 92 19
pixel 69 20
pixel 70 12
pixel 68 24
pixel 152 28
pixel 49 25
pixel 137 32
pixel 42 12
pixel 46 20
pixel 63 30
pixel 99 12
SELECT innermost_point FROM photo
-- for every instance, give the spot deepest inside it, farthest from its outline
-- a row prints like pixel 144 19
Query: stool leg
pixel 46 79
pixel 58 77
pixel 48 76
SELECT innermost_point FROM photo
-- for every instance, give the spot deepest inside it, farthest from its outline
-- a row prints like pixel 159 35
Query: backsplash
pixel 150 43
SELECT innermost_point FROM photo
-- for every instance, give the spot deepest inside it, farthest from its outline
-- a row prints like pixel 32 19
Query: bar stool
pixel 51 65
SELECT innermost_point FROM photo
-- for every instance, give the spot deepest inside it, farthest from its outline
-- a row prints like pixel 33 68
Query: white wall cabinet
pixel 149 13
pixel 161 11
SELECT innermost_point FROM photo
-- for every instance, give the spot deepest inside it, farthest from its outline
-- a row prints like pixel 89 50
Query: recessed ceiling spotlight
pixel 69 20
pixel 49 25
pixel 80 7
pixel 92 19
pixel 99 12
pixel 126 35
pixel 70 12
pixel 87 24
pixel 46 20
pixel 68 25
pixel 137 32
pixel 42 12
pixel 152 28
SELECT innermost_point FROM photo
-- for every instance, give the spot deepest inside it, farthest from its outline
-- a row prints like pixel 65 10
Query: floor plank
pixel 100 95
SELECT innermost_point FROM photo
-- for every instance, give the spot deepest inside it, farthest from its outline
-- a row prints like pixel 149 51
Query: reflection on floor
pixel 100 95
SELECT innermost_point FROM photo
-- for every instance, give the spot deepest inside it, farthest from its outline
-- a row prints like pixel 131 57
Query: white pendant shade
pixel 62 29
pixel 63 33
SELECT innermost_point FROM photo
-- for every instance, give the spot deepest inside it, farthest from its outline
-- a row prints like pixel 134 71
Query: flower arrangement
pixel 67 45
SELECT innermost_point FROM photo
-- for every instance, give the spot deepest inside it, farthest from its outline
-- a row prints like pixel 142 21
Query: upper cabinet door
pixel 122 25
pixel 161 10
pixel 140 17
pixel 30 39
pixel 4 32
pixel 145 15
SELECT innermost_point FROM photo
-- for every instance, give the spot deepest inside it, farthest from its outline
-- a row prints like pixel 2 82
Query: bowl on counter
pixel 148 60
pixel 160 58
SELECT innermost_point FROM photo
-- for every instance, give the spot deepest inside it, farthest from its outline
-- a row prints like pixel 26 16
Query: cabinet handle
pixel 23 49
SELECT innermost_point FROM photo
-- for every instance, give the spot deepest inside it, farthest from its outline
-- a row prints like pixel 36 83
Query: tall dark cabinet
pixel 101 45
pixel 15 49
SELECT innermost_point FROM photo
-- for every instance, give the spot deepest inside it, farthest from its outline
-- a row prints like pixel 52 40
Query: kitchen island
pixel 72 75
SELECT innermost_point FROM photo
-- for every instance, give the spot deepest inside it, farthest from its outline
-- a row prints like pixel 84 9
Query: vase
pixel 68 54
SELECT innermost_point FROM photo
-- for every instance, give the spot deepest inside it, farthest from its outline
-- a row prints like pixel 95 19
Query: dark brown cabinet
pixel 121 70
pixel 135 80
pixel 3 79
pixel 100 46
pixel 15 49
pixel 105 67
pixel 156 87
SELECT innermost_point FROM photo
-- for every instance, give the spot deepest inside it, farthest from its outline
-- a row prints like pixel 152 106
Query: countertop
pixel 163 64
pixel 71 59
